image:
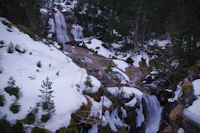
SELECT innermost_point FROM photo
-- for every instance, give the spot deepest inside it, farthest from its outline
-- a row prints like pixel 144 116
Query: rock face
pixel 170 129
pixel 175 115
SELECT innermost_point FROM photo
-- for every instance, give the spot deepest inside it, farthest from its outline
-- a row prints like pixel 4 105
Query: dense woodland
pixel 142 20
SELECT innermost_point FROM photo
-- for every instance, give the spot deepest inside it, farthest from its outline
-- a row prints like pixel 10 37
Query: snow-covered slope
pixel 65 75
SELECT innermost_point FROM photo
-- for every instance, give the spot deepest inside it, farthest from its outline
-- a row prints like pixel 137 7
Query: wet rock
pixel 175 115
pixel 170 129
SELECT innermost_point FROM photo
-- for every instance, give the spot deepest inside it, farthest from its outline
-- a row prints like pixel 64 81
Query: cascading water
pixel 153 113
pixel 61 28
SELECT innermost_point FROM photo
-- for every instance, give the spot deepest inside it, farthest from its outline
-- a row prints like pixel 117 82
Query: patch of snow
pixel 121 64
pixel 138 58
pixel 193 111
pixel 116 45
pixel 43 10
pixel 113 119
pixel 93 44
pixel 122 73
pixel 196 87
pixel 178 93
pixel 96 109
pixel 181 130
pixel 94 129
pixel 140 116
pixel 126 91
pixel 124 114
pixel 160 43
pixel 132 102
pixel 77 31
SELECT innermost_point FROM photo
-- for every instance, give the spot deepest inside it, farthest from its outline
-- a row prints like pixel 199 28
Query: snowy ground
pixel 193 111
pixel 60 69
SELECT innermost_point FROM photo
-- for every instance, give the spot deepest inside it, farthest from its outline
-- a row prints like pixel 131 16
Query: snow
pixel 132 102
pixel 196 87
pixel 178 93
pixel 113 119
pixel 127 91
pixel 94 129
pixel 181 130
pixel 160 43
pixel 193 111
pixel 77 31
pixel 43 11
pixel 22 67
pixel 121 64
pixel 95 43
pixel 95 83
pixel 122 73
pixel 140 116
pixel 96 109
pixel 138 58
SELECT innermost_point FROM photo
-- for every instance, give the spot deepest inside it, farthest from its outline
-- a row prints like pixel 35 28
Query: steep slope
pixel 60 69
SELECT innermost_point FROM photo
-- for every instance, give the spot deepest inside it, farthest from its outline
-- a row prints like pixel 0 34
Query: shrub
pixel 1 42
pixel 30 118
pixel 68 130
pixel 88 82
pixel 109 68
pixel 18 49
pixel 7 24
pixel 129 60
pixel 46 96
pixel 15 108
pixel 39 64
pixel 37 130
pixel 45 117
pixel 1 100
pixel 11 48
pixel 12 91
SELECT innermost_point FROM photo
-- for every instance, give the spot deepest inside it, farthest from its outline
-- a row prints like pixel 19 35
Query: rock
pixel 175 115
pixel 188 93
pixel 170 129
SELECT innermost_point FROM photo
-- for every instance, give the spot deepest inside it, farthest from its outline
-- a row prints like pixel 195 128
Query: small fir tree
pixel 88 82
pixel 47 103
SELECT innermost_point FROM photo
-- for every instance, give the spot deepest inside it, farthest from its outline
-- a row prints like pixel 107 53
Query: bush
pixel 109 68
pixel 7 24
pixel 18 49
pixel 39 64
pixel 15 108
pixel 37 130
pixel 12 91
pixel 1 100
pixel 11 48
pixel 6 127
pixel 129 60
pixel 1 42
pixel 30 118
pixel 88 82
pixel 45 117
pixel 68 130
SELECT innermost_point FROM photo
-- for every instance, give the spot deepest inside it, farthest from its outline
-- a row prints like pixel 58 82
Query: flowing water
pixel 61 28
pixel 153 113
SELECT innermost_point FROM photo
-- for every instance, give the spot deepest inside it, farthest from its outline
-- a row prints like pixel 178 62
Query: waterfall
pixel 61 28
pixel 153 113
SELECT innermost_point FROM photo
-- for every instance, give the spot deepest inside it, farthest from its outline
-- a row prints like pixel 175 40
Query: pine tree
pixel 47 103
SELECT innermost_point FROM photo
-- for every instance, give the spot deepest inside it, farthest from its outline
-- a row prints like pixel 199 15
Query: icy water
pixel 153 113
